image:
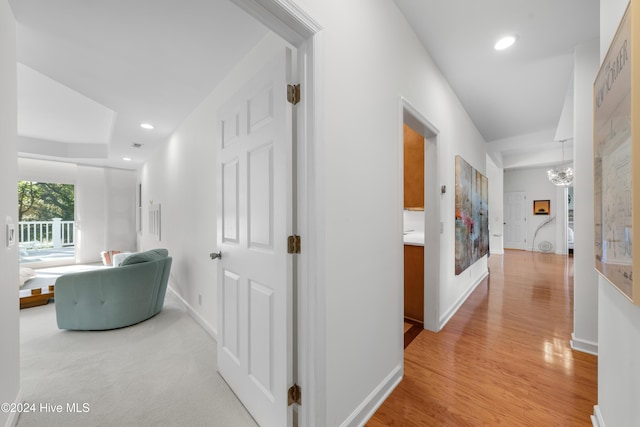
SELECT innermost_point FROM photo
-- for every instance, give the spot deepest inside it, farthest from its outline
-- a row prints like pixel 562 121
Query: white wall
pixel 105 203
pixel 618 319
pixel 371 58
pixel 618 355
pixel 46 171
pixel 120 213
pixel 585 279
pixel 495 175
pixel 536 186
pixel 90 216
pixel 611 12
pixel 9 329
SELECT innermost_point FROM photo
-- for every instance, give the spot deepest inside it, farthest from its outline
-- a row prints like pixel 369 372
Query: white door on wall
pixel 515 220
pixel 254 218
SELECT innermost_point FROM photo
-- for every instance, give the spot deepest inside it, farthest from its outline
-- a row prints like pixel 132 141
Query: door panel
pixel 260 109
pixel 230 126
pixel 260 336
pixel 261 197
pixel 515 225
pixel 230 339
pixel 254 164
pixel 230 220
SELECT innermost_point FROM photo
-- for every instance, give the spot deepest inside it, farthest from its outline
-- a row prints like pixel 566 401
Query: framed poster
pixel 541 207
pixel 472 215
pixel 155 221
pixel 616 167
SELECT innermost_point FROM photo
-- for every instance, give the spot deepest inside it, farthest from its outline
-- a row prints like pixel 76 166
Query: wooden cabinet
pixel 413 169
pixel 414 282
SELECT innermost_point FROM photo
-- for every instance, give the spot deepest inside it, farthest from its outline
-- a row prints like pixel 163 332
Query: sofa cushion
pixel 117 259
pixel 26 274
pixel 147 256
pixel 109 298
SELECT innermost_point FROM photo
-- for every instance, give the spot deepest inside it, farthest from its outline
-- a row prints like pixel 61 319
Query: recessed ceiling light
pixel 146 126
pixel 505 42
pixel 126 159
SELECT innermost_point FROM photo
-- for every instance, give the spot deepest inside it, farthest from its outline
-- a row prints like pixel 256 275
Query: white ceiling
pixel 42 114
pixel 515 97
pixel 92 70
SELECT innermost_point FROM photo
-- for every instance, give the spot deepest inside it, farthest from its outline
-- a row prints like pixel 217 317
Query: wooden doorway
pixel 413 228
pixel 424 217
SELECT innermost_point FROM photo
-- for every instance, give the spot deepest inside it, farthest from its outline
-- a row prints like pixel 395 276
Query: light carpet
pixel 161 372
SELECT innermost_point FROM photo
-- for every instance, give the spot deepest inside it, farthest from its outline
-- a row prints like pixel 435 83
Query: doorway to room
pixel 421 226
pixel 413 233
pixel 570 231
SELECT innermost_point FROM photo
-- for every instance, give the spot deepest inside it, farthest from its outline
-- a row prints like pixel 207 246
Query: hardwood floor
pixel 504 358
pixel 412 329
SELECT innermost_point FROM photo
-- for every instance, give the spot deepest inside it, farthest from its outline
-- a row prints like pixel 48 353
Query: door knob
pixel 215 255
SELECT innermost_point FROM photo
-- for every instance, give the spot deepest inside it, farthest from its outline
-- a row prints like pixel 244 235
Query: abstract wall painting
pixel 472 215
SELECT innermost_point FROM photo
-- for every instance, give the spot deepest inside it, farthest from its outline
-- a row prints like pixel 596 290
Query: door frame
pixel 300 29
pixel 432 227
pixel 524 212
pixel 562 221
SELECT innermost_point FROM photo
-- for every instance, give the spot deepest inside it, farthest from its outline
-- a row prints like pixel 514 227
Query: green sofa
pixel 113 297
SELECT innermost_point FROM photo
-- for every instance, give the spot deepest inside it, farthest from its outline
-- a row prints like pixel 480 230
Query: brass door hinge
pixel 293 244
pixel 295 395
pixel 293 94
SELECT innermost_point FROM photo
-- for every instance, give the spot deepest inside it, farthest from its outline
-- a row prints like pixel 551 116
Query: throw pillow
pixel 117 259
pixel 147 256
pixel 107 257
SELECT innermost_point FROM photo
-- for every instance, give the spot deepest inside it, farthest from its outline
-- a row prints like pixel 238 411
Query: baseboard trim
pixel 596 418
pixel 12 421
pixel 497 252
pixel 449 314
pixel 371 404
pixel 196 316
pixel 584 346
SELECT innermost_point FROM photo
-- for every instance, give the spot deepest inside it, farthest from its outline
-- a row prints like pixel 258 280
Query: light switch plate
pixel 11 232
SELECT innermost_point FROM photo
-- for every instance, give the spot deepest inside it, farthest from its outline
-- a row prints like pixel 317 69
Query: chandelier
pixel 559 175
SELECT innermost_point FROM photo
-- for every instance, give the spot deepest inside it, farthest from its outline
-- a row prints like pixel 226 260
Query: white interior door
pixel 254 166
pixel 515 220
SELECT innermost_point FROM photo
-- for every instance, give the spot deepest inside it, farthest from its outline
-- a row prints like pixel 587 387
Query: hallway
pixel 504 358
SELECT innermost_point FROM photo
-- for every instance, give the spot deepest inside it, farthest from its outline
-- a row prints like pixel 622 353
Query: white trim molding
pixel 12 421
pixel 596 418
pixel 196 316
pixel 412 117
pixel 449 314
pixel 370 405
pixel 584 346
pixel 284 17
